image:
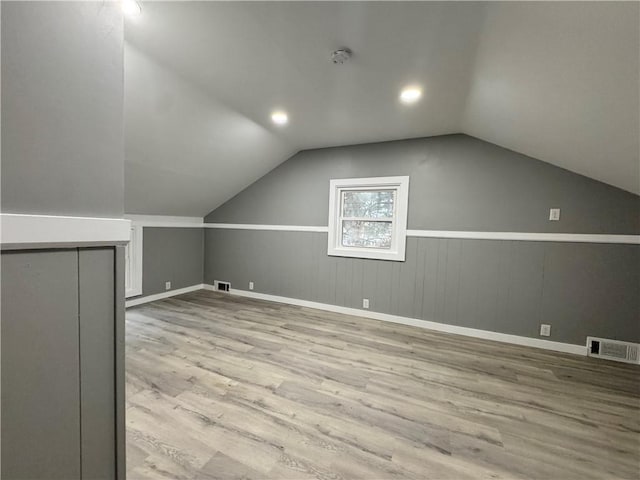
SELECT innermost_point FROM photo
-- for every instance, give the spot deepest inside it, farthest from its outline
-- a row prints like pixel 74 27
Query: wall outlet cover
pixel 250 285
pixel 554 214
pixel 167 285
pixel 545 330
pixel 365 303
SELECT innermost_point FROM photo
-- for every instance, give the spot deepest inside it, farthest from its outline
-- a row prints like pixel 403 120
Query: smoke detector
pixel 340 56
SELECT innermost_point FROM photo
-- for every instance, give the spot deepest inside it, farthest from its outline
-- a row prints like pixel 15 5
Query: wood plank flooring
pixel 233 388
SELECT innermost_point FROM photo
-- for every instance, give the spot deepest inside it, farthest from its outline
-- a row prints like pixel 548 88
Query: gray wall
pixel 171 254
pixel 501 286
pixel 457 183
pixel 62 108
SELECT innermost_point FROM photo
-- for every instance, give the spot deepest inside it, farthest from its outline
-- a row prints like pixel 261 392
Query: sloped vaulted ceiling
pixel 557 81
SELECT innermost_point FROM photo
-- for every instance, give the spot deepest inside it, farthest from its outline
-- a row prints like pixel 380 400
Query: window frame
pixel 398 184
pixel 133 262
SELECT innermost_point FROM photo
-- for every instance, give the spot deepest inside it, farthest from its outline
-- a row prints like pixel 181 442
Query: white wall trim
pixel 519 236
pixel 436 326
pixel 275 228
pixel 50 231
pixel 159 296
pixel 134 252
pixel 527 236
pixel 165 221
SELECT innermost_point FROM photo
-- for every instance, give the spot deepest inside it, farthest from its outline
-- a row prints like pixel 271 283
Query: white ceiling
pixel 185 151
pixel 555 81
pixel 559 82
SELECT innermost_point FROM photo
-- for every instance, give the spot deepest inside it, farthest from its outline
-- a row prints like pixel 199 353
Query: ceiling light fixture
pixel 131 8
pixel 410 95
pixel 279 118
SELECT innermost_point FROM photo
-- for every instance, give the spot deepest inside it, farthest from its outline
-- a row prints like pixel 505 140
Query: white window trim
pixel 134 261
pixel 399 234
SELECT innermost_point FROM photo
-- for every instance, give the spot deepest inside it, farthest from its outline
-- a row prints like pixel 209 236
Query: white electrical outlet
pixel 554 214
pixel 545 330
pixel 167 285
pixel 250 285
pixel 365 303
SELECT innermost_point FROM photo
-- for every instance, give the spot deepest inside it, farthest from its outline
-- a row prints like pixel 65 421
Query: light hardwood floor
pixel 228 387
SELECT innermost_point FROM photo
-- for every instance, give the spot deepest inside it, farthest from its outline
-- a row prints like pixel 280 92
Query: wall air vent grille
pixel 219 286
pixel 613 350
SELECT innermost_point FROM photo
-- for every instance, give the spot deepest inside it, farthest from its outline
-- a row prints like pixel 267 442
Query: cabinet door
pixel 97 360
pixel 40 365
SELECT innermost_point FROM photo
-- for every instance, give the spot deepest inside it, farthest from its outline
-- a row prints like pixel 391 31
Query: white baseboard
pixel 160 296
pixel 439 327
pixel 386 317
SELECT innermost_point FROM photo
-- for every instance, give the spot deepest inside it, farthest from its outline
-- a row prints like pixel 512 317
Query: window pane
pixel 368 203
pixel 358 233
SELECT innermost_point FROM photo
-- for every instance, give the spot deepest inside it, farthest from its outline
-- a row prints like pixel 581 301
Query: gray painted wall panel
pixel 62 108
pixel 175 255
pixel 525 283
pixel 457 183
pixel 356 283
pixel 58 364
pixel 325 277
pixel 381 300
pixel 40 365
pixel 370 272
pixel 503 286
pixel 340 283
pixel 470 282
pixel 451 284
pixel 405 281
pixel 487 274
pixel 420 278
pixel 120 389
pixel 594 288
pixel 97 360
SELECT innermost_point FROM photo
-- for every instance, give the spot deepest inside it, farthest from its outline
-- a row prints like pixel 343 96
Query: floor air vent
pixel 613 350
pixel 221 286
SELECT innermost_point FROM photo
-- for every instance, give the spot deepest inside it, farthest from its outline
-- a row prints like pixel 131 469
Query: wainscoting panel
pixel 40 365
pixel 63 363
pixel 496 285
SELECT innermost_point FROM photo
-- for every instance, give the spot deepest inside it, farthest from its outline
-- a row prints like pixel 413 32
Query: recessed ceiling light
pixel 279 118
pixel 410 95
pixel 131 8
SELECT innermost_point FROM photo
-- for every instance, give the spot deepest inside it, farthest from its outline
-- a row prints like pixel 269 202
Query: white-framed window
pixel 368 217
pixel 133 263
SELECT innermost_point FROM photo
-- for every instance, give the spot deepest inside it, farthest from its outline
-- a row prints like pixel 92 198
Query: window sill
pixel 367 253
